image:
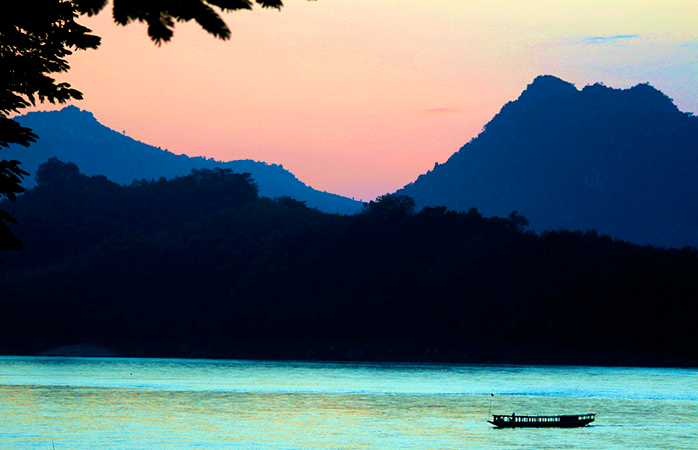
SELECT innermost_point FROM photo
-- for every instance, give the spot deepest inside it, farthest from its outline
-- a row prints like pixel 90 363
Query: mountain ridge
pixel 74 135
pixel 620 161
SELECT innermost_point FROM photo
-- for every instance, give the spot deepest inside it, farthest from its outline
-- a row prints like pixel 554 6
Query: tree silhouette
pixel 36 38
pixel 160 15
pixel 517 221
pixel 55 172
pixel 390 206
pixel 34 43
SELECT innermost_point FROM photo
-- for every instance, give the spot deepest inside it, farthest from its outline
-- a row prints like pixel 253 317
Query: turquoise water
pixel 115 403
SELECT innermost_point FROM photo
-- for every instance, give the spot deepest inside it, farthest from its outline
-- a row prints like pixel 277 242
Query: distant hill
pixel 73 135
pixel 622 162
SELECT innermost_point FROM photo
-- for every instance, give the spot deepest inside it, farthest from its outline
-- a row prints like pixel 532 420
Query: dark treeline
pixel 201 266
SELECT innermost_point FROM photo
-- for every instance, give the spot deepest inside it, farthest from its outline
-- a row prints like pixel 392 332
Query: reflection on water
pixel 85 403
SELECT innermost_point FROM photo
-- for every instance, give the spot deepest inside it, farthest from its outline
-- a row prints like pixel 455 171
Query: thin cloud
pixel 445 110
pixel 599 40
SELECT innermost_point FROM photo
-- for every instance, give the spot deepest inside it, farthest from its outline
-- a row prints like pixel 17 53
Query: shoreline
pixel 332 354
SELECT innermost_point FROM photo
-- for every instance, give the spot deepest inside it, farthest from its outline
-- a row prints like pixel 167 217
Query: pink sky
pixel 360 97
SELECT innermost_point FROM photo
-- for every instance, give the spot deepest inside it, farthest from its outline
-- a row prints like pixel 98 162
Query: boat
pixel 563 421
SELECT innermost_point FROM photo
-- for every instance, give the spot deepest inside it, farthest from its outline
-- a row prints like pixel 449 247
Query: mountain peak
pixel 72 109
pixel 650 98
pixel 68 113
pixel 620 161
pixel 75 112
pixel 546 86
pixel 76 136
pixel 641 96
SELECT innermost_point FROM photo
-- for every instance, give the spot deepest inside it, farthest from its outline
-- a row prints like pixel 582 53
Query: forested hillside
pixel 202 266
pixel 75 135
pixel 623 162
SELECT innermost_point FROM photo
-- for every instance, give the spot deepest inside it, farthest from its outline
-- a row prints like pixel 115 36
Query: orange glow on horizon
pixel 358 98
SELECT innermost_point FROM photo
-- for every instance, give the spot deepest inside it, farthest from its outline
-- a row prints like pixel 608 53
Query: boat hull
pixel 566 421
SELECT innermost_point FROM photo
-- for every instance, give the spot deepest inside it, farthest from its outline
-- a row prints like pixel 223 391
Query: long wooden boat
pixel 564 421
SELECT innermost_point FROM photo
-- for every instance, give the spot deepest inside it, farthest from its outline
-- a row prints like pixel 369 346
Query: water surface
pixel 117 403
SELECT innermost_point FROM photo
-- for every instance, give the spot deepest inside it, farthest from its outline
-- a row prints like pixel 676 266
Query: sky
pixel 360 97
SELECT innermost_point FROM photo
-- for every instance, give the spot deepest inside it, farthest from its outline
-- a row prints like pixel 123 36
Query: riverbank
pixel 351 352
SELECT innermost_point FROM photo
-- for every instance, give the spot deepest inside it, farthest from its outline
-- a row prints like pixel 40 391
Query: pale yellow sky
pixel 359 97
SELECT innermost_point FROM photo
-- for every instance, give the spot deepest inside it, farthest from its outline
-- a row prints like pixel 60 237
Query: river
pixel 122 403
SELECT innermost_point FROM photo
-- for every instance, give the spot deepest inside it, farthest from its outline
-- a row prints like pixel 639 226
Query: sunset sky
pixel 360 97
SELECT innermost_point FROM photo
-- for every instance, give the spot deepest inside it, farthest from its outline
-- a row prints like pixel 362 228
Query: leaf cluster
pixel 35 40
pixel 161 15
pixel 34 43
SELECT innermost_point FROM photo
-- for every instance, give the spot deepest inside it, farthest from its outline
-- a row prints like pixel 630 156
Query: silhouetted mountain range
pixel 201 266
pixel 622 162
pixel 73 135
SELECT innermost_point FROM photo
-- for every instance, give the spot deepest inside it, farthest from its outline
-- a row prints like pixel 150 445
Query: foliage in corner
pixel 35 39
pixel 34 43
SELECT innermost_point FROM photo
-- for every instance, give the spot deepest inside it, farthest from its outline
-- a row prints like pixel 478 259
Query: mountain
pixel 73 135
pixel 621 162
